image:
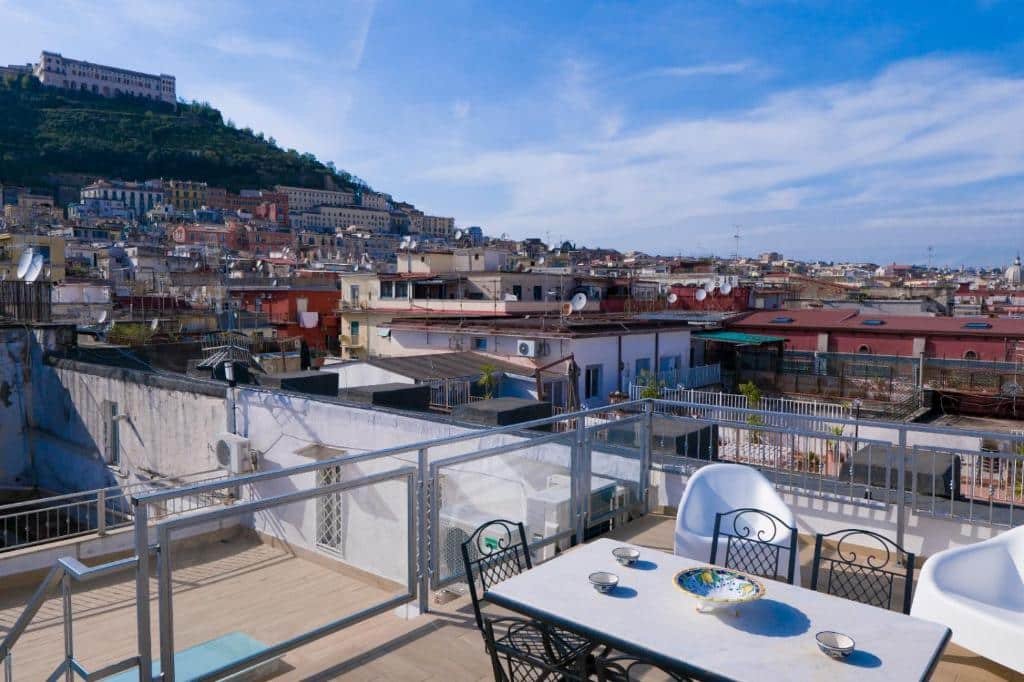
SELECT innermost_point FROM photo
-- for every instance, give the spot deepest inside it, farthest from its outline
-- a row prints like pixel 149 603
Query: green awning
pixel 738 338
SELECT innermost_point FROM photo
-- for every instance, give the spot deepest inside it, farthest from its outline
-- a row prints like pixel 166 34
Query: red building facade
pixel 850 331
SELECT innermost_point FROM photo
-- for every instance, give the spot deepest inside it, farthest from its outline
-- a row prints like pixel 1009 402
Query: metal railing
pixel 614 449
pixel 64 573
pixel 58 517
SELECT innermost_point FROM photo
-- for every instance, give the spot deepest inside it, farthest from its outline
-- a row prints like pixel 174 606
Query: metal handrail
pixel 64 570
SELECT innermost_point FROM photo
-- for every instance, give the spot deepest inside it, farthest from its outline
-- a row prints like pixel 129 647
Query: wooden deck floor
pixel 271 594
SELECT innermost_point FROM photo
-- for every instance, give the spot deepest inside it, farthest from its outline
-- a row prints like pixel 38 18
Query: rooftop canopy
pixel 738 338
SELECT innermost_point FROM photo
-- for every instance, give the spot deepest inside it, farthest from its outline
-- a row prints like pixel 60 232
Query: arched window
pixel 865 349
pixel 970 355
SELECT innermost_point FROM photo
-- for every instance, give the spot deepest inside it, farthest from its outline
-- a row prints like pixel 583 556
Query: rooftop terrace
pixel 233 582
pixel 353 513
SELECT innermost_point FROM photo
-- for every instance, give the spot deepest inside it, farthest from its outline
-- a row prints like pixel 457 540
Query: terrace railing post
pixel 422 531
pixel 9 667
pixel 646 429
pixel 141 514
pixel 577 483
pixel 69 649
pixel 901 497
pixel 101 512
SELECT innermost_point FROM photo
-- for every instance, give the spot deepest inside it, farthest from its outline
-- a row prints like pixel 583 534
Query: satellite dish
pixel 196 266
pixel 567 308
pixel 102 317
pixel 155 324
pixel 726 289
pixel 701 294
pixel 458 235
pixel 578 301
pixel 25 262
pixel 672 298
pixel 540 261
pixel 274 283
pixel 34 268
pixel 413 244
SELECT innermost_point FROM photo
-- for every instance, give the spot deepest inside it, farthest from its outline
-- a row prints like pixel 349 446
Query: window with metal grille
pixel 329 511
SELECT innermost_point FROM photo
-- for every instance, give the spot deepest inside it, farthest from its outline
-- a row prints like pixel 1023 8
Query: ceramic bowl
pixel 719 588
pixel 835 644
pixel 603 581
pixel 627 556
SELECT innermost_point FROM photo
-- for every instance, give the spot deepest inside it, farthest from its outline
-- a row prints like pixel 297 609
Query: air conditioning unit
pixel 454 526
pixel 233 454
pixel 548 511
pixel 526 348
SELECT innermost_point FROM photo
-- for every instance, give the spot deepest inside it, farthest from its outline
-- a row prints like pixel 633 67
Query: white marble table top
pixel 770 639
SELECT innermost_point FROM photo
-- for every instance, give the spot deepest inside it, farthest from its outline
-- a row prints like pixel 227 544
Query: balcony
pixel 341 533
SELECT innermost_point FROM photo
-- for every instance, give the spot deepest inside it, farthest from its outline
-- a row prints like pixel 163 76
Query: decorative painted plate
pixel 715 587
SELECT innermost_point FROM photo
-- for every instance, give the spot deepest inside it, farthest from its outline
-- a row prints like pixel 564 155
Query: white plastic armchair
pixel 977 591
pixel 720 488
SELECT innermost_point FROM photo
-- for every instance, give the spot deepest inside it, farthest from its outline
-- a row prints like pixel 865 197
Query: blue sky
pixel 834 130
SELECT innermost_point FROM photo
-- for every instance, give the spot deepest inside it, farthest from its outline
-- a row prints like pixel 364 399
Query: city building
pixel 436 226
pixel 609 351
pixel 304 198
pixel 31 209
pixel 854 331
pixel 55 70
pixel 51 247
pixel 185 195
pixel 15 71
pixel 138 197
pixel 333 218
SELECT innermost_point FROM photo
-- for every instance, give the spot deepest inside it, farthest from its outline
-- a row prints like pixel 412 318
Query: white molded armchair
pixel 720 488
pixel 977 591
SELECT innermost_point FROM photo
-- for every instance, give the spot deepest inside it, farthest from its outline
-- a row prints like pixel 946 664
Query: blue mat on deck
pixel 202 658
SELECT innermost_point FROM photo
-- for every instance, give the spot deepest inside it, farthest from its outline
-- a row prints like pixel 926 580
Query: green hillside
pixel 46 131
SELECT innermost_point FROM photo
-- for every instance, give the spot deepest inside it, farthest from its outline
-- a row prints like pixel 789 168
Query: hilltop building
pixel 55 70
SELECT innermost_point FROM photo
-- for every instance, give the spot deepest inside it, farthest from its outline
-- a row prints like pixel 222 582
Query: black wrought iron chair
pixel 496 551
pixel 530 651
pixel 629 668
pixel 754 542
pixel 863 566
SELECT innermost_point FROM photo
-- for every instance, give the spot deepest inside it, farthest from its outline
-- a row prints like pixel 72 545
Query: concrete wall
pixel 20 359
pixel 354 374
pixel 289 430
pixel 167 428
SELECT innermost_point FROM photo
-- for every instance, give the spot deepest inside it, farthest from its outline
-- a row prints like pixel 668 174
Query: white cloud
pixel 856 151
pixel 241 45
pixel 721 69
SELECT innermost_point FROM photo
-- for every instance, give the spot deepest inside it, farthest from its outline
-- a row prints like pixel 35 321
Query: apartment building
pixel 55 70
pixel 31 209
pixel 186 195
pixel 436 226
pixel 51 247
pixel 609 351
pixel 305 198
pixel 332 218
pixel 138 197
pixel 375 200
